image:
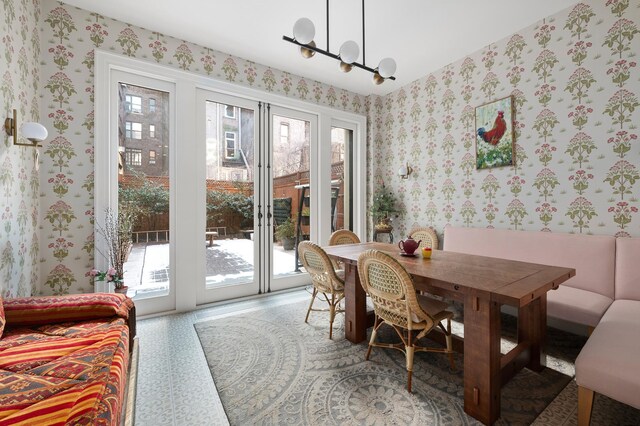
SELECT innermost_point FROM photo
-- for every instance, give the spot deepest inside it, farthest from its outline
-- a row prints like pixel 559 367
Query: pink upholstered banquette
pixel 584 298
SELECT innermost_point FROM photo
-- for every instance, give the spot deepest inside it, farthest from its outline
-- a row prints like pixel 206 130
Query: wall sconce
pixel 405 171
pixel 33 132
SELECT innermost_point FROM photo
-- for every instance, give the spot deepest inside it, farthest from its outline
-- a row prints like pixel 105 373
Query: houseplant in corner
pixel 382 207
pixel 116 232
pixel 286 232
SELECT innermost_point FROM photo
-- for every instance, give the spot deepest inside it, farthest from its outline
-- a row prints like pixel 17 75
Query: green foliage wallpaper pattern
pixel 575 82
pixel 19 179
pixel 69 36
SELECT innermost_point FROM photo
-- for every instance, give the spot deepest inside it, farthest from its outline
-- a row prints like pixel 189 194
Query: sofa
pixel 609 363
pixel 65 360
pixel 604 295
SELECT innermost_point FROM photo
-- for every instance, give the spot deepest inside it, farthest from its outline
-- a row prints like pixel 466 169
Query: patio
pixel 228 262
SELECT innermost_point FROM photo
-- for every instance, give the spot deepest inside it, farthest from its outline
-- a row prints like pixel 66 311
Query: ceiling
pixel 421 35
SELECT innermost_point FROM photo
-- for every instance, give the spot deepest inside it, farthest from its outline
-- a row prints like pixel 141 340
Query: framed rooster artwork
pixel 495 143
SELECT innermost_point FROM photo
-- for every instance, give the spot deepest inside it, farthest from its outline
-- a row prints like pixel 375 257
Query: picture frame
pixel 495 139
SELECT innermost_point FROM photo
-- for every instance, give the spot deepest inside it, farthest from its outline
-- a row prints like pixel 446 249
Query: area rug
pixel 271 368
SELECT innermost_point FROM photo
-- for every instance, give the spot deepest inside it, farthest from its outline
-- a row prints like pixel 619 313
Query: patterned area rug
pixel 272 368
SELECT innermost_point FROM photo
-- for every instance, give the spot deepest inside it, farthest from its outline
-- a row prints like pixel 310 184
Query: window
pixel 133 104
pixel 133 130
pixel 152 131
pixel 152 105
pixel 230 138
pixel 152 157
pixel 133 156
pixel 229 111
pixel 284 133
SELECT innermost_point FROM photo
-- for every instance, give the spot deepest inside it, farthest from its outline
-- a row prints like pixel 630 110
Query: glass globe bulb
pixel 349 52
pixel 304 31
pixel 387 67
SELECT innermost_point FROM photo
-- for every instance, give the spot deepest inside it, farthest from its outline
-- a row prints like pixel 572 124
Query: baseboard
pixel 130 396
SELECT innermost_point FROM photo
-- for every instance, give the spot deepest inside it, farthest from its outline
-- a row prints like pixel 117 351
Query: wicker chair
pixel 325 280
pixel 396 303
pixel 343 236
pixel 427 235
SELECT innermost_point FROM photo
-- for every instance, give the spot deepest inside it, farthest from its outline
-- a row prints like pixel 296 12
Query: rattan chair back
pixel 391 290
pixel 427 235
pixel 343 236
pixel 319 266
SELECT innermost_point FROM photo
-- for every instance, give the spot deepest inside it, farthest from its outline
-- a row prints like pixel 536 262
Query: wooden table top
pixel 505 281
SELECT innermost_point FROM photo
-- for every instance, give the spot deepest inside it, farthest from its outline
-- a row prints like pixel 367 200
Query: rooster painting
pixel 495 144
pixel 494 135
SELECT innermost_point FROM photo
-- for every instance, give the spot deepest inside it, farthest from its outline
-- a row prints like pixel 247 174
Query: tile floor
pixel 174 382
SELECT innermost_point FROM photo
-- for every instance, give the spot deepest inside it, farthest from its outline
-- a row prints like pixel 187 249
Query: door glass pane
pixel 229 233
pixel 291 208
pixel 144 186
pixel 341 178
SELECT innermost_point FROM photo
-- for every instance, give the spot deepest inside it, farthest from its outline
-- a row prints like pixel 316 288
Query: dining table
pixel 483 284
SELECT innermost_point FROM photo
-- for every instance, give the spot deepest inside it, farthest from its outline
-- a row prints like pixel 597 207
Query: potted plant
pixel 116 232
pixel 383 206
pixel 286 232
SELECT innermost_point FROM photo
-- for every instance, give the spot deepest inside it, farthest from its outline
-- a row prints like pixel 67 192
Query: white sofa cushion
pixel 628 269
pixel 575 305
pixel 609 362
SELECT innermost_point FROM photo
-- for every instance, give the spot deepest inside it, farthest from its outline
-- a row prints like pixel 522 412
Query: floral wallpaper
pixel 69 36
pixel 19 179
pixel 574 79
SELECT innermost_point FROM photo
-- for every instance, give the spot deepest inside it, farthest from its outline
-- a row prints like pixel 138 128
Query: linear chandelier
pixel 304 31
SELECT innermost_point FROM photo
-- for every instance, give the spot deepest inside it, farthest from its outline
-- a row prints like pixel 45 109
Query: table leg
pixel 355 315
pixel 482 379
pixel 532 327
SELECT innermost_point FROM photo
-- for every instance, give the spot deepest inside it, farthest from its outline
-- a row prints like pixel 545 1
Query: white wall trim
pixel 186 86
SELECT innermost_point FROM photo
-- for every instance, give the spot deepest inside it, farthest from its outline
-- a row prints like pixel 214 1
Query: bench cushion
pixel 609 362
pixel 575 305
pixel 628 268
pixel 592 256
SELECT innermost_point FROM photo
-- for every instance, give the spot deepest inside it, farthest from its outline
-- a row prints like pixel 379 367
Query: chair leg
pixel 410 349
pixel 373 337
pixel 332 314
pixel 585 405
pixel 449 339
pixel 313 298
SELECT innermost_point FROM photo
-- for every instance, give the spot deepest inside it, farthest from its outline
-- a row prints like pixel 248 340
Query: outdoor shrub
pixel 221 204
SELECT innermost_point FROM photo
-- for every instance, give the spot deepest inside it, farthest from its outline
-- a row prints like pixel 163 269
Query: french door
pixel 138 184
pixel 256 168
pixel 223 181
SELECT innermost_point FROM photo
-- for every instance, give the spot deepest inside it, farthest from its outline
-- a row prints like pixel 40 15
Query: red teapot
pixel 409 245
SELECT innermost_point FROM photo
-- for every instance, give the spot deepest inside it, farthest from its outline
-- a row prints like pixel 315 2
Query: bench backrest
pixel 628 268
pixel 592 256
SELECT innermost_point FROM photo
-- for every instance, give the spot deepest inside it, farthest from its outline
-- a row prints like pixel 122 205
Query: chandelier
pixel 304 31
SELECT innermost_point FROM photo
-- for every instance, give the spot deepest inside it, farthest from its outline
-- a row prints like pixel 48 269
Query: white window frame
pixel 152 161
pixel 128 104
pixel 130 133
pixel 226 111
pixel 152 131
pixel 182 109
pixel 152 104
pixel 133 153
pixel 230 136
